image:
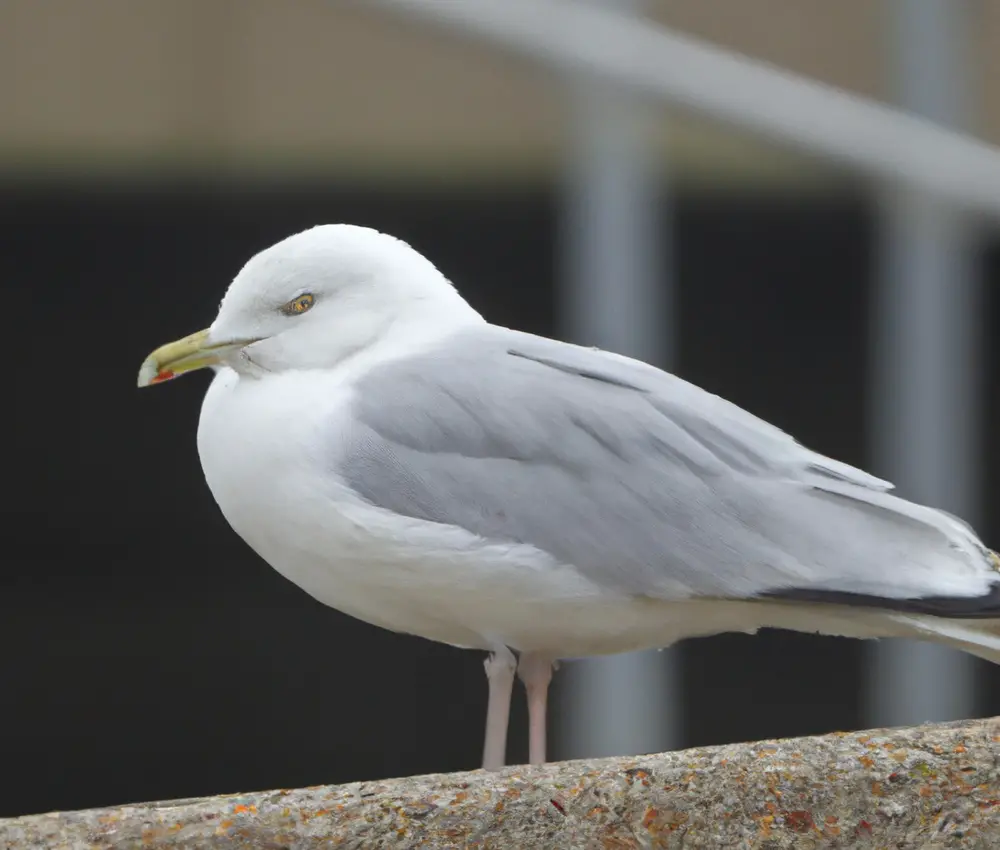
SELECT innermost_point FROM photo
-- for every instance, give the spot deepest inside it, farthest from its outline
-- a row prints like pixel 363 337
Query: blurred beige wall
pixel 328 86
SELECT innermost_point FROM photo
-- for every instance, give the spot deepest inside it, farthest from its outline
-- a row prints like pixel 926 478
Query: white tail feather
pixel 977 637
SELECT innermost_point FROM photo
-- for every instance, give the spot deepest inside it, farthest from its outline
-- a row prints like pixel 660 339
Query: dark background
pixel 147 653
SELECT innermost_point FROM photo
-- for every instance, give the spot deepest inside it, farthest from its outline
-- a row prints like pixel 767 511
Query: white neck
pixel 416 330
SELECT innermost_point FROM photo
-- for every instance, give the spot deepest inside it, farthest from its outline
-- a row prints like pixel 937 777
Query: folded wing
pixel 644 482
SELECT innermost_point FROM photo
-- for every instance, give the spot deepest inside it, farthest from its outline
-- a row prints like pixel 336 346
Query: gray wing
pixel 643 482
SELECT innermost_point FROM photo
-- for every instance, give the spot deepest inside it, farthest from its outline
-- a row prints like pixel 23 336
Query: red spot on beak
pixel 165 375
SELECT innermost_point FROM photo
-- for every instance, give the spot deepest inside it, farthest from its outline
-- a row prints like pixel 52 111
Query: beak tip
pixel 147 372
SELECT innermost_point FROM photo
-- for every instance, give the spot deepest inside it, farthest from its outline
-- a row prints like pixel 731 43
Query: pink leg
pixel 500 668
pixel 536 673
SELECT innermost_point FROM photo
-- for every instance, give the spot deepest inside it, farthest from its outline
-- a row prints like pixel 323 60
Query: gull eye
pixel 298 305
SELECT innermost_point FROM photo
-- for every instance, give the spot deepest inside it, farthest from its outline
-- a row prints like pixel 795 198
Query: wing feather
pixel 642 481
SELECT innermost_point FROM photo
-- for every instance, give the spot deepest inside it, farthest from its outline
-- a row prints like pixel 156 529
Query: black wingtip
pixel 985 607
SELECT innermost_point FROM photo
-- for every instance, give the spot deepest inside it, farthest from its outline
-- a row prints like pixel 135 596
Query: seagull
pixel 380 444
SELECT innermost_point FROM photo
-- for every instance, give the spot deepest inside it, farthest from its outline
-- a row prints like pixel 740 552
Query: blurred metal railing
pixel 683 71
pixel 925 358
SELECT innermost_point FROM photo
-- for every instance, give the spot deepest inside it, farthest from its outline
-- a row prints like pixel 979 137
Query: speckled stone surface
pixel 927 787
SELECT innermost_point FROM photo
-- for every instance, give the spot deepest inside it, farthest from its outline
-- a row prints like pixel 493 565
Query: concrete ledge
pixel 926 787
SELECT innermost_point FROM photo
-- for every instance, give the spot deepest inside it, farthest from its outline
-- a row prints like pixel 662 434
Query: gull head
pixel 314 300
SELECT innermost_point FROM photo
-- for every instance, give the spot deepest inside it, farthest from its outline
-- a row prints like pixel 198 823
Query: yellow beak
pixel 185 355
